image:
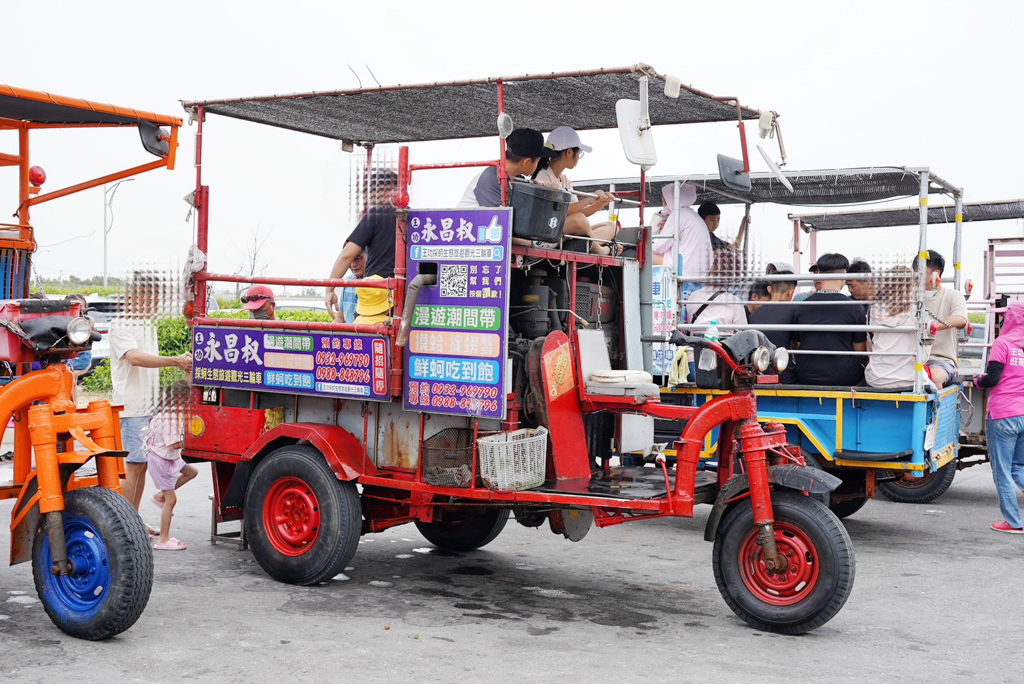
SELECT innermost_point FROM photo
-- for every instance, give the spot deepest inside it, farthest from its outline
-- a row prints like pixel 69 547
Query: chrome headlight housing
pixel 79 331
pixel 761 359
pixel 781 359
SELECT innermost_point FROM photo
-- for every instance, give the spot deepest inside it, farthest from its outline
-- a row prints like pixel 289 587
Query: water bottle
pixel 708 360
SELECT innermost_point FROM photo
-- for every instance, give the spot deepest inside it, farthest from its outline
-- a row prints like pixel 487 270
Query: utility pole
pixel 108 202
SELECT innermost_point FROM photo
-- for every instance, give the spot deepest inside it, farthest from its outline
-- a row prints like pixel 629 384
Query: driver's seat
pixel 598 377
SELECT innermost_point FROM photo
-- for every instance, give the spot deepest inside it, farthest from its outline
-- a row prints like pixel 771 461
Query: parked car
pixel 970 357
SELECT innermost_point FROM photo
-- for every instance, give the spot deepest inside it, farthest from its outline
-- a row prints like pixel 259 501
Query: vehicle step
pixel 625 483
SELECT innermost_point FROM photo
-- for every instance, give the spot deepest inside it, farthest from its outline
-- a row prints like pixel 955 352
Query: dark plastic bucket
pixel 538 212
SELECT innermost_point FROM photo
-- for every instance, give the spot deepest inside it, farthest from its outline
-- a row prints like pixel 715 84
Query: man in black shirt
pixel 375 233
pixel 845 369
pixel 776 314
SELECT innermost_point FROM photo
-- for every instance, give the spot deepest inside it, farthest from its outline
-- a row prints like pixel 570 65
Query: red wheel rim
pixel 291 516
pixel 791 585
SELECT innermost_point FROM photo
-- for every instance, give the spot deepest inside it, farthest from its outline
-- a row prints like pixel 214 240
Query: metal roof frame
pixel 831 187
pixel 910 216
pixel 467 109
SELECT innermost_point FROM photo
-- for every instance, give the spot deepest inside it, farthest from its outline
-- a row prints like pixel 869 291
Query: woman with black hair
pixel 550 172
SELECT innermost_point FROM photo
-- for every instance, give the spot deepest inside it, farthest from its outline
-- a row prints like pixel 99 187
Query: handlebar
pixel 680 340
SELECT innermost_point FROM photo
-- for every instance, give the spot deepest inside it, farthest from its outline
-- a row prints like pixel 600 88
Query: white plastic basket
pixel 513 461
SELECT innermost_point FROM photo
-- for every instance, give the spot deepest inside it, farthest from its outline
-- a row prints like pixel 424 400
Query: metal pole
pixel 796 246
pixel 957 244
pixel 922 257
pixel 646 281
pixel 676 266
pixel 104 235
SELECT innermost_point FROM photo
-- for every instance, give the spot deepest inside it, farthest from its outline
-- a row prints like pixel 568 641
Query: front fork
pixel 754 442
pixel 44 425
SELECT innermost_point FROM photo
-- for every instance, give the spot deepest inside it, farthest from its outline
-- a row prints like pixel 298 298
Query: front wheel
pixel 810 590
pixel 112 563
pixel 303 524
pixel 464 528
pixel 906 489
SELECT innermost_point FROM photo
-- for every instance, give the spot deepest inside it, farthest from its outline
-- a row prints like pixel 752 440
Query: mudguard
pixel 799 478
pixel 343 452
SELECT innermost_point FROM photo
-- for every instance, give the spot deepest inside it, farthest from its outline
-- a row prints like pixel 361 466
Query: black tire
pixel 113 574
pixel 921 490
pixel 302 522
pixel 815 543
pixel 845 509
pixel 465 529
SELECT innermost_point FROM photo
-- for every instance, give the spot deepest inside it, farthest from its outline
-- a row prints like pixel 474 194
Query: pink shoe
pixel 1005 527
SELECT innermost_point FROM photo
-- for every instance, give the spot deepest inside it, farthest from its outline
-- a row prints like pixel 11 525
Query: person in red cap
pixel 258 300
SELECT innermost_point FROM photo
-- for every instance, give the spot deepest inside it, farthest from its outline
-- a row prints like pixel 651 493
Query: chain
pixel 600 286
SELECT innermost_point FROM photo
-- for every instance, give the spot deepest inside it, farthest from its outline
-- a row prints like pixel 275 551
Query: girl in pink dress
pixel 168 471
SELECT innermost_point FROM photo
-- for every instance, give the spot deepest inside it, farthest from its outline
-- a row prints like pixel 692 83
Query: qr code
pixel 454 280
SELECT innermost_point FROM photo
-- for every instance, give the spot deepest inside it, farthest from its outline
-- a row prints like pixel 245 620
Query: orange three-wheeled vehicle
pixel 91 558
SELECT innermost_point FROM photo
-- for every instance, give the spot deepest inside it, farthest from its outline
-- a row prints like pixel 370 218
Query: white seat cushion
pixel 630 377
pixel 622 389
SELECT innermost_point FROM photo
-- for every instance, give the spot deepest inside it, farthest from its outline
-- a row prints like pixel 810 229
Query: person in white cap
pixel 568 151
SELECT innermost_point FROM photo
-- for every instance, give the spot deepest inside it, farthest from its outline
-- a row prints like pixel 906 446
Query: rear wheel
pixel 813 586
pixel 844 509
pixel 906 489
pixel 465 528
pixel 303 524
pixel 113 566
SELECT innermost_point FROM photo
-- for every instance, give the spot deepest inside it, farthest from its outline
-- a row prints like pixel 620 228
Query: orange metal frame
pixel 28 196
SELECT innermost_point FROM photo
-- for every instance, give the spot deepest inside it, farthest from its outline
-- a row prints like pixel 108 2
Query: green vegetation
pixel 65 286
pixel 976 318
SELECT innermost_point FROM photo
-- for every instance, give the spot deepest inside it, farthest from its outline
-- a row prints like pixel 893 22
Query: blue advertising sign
pixel 300 362
pixel 455 362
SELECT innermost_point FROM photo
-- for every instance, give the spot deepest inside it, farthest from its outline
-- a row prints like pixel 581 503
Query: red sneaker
pixel 1005 527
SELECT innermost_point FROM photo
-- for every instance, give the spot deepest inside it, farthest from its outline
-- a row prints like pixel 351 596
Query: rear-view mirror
pixel 155 140
pixel 732 175
pixel 637 140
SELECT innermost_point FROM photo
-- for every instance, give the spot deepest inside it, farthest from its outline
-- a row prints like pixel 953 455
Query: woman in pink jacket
pixel 1004 425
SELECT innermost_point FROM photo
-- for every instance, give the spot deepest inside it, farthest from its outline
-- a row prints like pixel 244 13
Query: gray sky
pixel 911 83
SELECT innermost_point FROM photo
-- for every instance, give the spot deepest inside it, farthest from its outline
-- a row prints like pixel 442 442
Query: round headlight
pixel 781 359
pixel 761 359
pixel 79 331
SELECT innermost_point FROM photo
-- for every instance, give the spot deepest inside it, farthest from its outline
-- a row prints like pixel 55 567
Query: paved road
pixel 938 597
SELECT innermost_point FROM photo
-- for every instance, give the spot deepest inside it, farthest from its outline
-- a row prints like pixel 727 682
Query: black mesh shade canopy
pixel 469 109
pixel 818 187
pixel 884 218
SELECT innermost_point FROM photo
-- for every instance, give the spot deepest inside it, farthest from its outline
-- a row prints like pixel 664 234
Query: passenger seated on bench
pixel 843 369
pixel 568 152
pixel 776 314
pixel 948 309
pixel 714 302
pixel 893 310
pixel 693 241
pixel 524 148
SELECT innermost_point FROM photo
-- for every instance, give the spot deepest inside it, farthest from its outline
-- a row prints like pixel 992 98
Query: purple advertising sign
pixel 455 362
pixel 300 362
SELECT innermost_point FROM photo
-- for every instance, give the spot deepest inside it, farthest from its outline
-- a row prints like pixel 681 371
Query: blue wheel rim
pixel 83 592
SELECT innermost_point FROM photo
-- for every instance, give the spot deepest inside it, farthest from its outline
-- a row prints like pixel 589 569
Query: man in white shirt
pixel 948 309
pixel 134 363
